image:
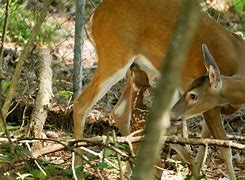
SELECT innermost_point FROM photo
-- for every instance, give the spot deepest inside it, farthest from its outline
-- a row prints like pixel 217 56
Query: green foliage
pixel 12 127
pixel 109 153
pixel 189 177
pixel 104 165
pixel 4 158
pixel 29 171
pixel 21 21
pixel 64 94
pixel 12 153
pixel 5 85
pixel 122 147
pixel 79 169
pixel 239 5
pixel 51 170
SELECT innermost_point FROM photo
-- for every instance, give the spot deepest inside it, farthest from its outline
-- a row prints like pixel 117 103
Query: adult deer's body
pixel 213 93
pixel 139 31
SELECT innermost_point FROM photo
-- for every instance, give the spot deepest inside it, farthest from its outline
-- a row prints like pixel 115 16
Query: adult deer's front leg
pixel 195 165
pixel 215 126
pixel 201 154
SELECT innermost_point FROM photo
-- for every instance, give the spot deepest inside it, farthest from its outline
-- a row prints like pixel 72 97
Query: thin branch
pixel 118 157
pixel 236 137
pixel 78 46
pixel 35 161
pixel 99 155
pixel 5 27
pixel 26 50
pixel 94 167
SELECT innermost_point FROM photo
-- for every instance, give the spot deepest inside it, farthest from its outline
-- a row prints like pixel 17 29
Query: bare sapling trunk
pixel 44 94
pixel 26 50
pixel 158 121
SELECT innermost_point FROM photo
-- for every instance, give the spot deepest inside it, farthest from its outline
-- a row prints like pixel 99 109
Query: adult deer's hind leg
pixel 100 84
pixel 123 109
pixel 102 81
pixel 215 126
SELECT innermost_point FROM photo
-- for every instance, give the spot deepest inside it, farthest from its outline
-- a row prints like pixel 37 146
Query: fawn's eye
pixel 193 96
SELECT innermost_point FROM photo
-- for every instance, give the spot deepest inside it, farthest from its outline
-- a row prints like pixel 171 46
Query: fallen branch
pixel 101 141
pixel 236 137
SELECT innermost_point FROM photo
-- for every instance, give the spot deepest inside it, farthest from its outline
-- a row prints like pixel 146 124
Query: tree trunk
pixel 158 121
pixel 78 47
pixel 42 103
pixel 26 50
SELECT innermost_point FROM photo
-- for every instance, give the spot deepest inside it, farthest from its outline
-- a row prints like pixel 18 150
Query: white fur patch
pixel 109 82
pixel 148 67
pixel 121 108
pixel 175 98
pixel 106 85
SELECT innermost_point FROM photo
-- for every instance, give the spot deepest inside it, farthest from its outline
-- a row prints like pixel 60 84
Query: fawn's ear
pixel 212 68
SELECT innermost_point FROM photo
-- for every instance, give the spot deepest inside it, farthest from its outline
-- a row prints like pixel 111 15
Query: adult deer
pixel 211 90
pixel 139 31
pixel 214 93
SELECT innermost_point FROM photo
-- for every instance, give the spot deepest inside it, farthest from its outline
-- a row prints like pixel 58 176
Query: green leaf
pixel 104 165
pixel 239 5
pixel 12 128
pixel 79 169
pixel 5 84
pixel 109 153
pixel 4 158
pixel 64 94
pixel 67 172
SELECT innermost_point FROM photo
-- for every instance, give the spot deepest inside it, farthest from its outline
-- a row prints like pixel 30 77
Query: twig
pixel 15 106
pixel 68 105
pixel 35 161
pixel 140 131
pixel 73 166
pixel 94 167
pixel 118 157
pixel 99 155
pixel 98 140
pixel 5 27
pixel 236 137
pixel 23 118
pixel 104 150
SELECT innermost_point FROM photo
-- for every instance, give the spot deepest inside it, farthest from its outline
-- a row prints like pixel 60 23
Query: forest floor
pixel 99 121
